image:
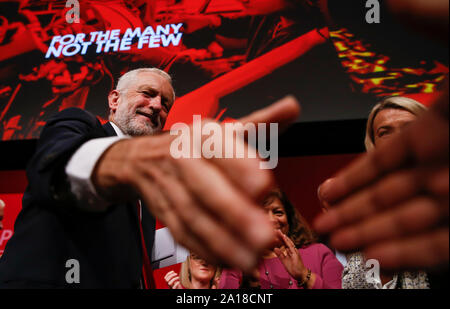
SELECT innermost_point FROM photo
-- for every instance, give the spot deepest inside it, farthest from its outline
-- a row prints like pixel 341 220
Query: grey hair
pixel 402 103
pixel 126 79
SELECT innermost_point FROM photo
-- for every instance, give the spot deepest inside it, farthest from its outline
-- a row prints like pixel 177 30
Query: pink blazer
pixel 317 257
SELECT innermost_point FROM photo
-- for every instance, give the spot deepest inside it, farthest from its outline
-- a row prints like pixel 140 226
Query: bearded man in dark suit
pixel 87 217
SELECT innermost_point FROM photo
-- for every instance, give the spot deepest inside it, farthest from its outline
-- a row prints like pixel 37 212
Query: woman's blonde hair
pixel 402 103
pixel 186 277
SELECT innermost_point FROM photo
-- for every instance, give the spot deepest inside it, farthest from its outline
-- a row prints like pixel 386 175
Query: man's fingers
pixel 182 235
pixel 438 183
pixel 391 190
pixel 411 218
pixel 225 147
pixel 403 253
pixel 224 201
pixel 247 176
pixel 364 170
pixel 208 230
pixel 283 112
pixel 153 187
pixel 204 210
pixel 207 224
pixel 246 173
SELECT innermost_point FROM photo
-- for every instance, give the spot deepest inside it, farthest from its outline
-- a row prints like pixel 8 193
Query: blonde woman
pixel 385 120
pixel 195 273
pixel 389 117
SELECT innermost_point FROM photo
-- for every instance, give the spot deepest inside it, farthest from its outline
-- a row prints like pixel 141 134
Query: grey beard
pixel 130 127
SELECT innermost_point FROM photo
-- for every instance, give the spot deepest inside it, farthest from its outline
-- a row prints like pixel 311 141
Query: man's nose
pixel 156 104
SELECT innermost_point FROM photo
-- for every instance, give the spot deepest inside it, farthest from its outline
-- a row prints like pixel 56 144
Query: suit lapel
pixel 109 129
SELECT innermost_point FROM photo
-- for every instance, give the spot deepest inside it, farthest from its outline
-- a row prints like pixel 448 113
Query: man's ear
pixel 113 100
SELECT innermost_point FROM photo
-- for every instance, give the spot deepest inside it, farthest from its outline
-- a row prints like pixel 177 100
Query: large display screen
pixel 227 58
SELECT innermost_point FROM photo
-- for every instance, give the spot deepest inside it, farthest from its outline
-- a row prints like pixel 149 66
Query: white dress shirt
pixel 81 165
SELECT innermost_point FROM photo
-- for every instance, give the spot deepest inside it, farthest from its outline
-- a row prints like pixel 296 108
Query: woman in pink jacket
pixel 296 262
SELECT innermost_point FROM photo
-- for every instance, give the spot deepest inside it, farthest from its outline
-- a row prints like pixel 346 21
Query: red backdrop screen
pixel 227 58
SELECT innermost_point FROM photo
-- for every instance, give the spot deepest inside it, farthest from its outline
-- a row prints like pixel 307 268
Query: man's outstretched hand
pixel 210 205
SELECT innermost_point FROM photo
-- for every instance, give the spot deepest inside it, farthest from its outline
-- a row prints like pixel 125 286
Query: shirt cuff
pixel 79 171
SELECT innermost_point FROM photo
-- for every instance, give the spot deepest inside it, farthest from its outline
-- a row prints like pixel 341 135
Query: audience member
pixel 386 120
pixel 195 273
pixel 295 262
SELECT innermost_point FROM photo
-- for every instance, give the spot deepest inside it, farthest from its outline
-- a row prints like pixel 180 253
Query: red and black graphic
pixel 227 58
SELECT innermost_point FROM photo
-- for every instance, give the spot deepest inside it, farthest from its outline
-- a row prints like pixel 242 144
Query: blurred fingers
pixel 365 170
pixel 247 175
pixel 389 191
pixel 424 251
pixel 208 215
pixel 283 112
pixel 154 185
pixel 411 218
pixel 239 215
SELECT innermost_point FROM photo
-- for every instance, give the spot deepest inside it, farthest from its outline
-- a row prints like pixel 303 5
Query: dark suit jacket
pixel 51 229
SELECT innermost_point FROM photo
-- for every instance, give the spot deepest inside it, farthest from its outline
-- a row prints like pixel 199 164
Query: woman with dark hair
pixel 295 262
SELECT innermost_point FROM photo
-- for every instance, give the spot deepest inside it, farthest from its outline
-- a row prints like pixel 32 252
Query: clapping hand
pixel 173 280
pixel 291 259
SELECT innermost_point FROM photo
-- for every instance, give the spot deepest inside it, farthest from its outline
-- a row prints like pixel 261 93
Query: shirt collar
pixel 117 129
